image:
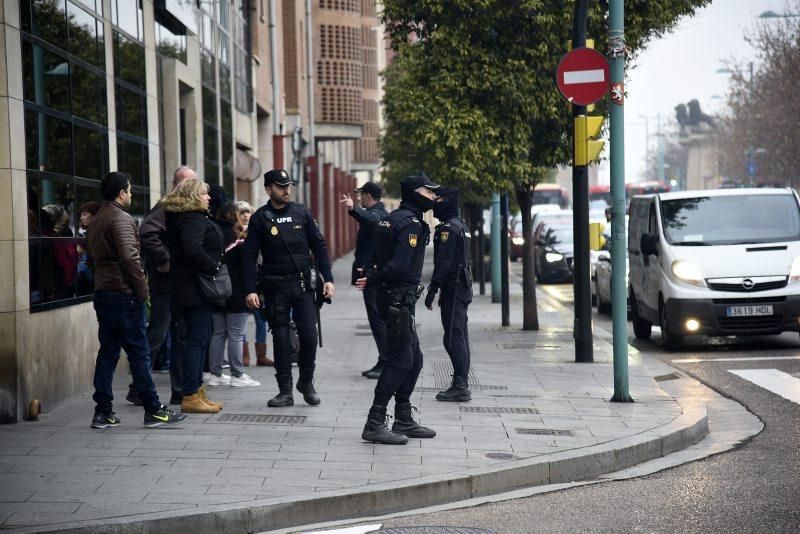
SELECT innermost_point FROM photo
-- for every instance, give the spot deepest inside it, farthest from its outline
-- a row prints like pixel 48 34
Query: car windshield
pixel 560 234
pixel 729 220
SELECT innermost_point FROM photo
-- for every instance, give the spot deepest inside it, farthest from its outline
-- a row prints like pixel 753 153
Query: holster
pixel 399 320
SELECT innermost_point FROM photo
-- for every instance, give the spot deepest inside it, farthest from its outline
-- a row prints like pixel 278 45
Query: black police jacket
pixel 451 258
pixel 368 220
pixel 400 242
pixel 302 235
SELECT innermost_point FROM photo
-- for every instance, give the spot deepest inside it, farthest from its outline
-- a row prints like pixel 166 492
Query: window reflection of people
pixel 59 257
pixel 85 283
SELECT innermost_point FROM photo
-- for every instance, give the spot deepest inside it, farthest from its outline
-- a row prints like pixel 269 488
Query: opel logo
pixel 748 284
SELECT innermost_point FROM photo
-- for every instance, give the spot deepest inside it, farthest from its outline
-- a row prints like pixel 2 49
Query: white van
pixel 720 262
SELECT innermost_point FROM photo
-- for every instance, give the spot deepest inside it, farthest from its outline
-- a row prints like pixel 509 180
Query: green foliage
pixel 471 97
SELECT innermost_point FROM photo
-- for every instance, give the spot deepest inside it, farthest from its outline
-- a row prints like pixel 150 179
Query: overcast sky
pixel 683 66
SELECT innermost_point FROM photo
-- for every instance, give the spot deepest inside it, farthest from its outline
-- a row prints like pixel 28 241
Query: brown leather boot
pixel 246 354
pixel 196 404
pixel 202 393
pixel 261 356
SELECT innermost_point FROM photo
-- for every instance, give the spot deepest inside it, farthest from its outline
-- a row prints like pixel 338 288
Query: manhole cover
pixel 485 387
pixel 497 409
pixel 545 432
pixel 432 530
pixel 500 456
pixel 258 419
pixel 664 378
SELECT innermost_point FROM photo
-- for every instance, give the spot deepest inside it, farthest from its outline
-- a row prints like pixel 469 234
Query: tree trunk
pixel 530 313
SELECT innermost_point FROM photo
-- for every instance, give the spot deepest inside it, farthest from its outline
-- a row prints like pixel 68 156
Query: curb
pixel 390 497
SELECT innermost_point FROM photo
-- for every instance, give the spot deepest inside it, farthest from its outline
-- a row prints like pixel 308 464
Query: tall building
pixel 230 87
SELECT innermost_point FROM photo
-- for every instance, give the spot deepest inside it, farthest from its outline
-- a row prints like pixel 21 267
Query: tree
pixel 471 96
pixel 762 111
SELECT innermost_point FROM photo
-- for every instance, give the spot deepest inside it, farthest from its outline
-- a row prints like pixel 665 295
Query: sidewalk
pixel 536 418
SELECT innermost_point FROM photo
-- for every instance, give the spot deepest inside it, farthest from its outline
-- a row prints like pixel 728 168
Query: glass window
pixel 84 31
pixel 45 77
pixel 131 107
pixel 88 95
pixel 212 172
pixel 47 20
pixel 207 66
pixel 91 152
pixel 226 121
pixel 169 44
pixel 224 82
pixel 132 158
pixel 210 143
pixel 209 106
pixel 127 17
pixel 48 143
pixel 129 60
pixel 56 208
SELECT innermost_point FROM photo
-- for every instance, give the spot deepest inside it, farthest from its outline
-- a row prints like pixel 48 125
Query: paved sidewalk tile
pixel 529 399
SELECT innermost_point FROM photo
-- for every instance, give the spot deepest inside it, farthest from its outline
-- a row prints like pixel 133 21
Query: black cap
pixel 277 176
pixel 411 183
pixel 372 188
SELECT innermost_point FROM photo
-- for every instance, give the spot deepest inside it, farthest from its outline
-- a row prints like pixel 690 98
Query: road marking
pixel 778 382
pixel 750 359
pixel 349 530
pixel 584 76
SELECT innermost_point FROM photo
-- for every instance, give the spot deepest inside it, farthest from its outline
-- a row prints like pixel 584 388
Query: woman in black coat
pixel 195 246
pixel 230 322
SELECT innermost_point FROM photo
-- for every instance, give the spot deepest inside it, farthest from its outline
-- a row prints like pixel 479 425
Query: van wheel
pixel 669 340
pixel 602 306
pixel 641 328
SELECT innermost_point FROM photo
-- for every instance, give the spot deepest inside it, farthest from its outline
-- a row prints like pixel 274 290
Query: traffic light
pixel 587 149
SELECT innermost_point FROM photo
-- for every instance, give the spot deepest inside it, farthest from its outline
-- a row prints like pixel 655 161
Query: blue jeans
pixel 199 325
pixel 261 327
pixel 122 324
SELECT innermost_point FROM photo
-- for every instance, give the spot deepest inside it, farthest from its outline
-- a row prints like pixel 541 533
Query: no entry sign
pixel 582 76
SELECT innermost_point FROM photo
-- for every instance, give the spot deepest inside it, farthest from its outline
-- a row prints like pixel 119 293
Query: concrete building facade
pixel 230 87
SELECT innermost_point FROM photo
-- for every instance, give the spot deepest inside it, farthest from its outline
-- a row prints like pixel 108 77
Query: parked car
pixel 716 262
pixel 553 253
pixel 515 239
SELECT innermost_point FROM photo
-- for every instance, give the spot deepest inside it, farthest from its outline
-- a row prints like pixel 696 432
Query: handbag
pixel 216 287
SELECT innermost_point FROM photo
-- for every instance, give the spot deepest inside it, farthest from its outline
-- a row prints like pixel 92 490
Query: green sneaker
pixel 101 420
pixel 164 416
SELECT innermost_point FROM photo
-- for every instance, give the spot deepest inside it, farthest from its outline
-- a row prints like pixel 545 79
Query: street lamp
pixel 772 15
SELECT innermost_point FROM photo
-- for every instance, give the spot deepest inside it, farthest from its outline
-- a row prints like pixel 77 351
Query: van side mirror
pixel 648 245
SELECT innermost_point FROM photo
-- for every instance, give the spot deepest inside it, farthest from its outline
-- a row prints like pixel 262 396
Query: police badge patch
pixel 445 235
pixel 412 240
pixel 274 230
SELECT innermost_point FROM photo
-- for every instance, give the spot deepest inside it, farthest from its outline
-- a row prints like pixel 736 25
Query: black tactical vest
pixel 289 222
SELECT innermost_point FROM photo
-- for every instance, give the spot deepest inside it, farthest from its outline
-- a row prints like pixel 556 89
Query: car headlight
pixel 688 272
pixel 518 240
pixel 794 272
pixel 553 257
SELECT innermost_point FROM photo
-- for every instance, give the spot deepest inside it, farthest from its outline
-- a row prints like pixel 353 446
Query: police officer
pixel 453 276
pixel 368 216
pixel 284 232
pixel 399 253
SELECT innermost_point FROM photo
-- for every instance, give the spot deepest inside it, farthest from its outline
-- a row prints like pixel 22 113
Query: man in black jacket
pixel 368 216
pixel 453 276
pixel 399 253
pixel 153 235
pixel 285 232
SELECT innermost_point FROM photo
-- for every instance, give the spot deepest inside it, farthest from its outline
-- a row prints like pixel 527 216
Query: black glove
pixel 429 298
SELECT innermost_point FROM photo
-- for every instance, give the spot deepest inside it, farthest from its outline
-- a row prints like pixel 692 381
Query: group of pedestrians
pixel 277 263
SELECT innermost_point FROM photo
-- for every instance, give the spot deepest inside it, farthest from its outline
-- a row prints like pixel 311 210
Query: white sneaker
pixel 244 381
pixel 223 380
pixel 206 376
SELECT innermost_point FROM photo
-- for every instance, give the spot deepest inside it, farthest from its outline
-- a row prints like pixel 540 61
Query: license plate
pixel 749 311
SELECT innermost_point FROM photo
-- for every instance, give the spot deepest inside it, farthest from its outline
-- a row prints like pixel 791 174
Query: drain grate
pixel 443 375
pixel 544 432
pixel 664 378
pixel 259 419
pixel 498 409
pixel 501 396
pixel 485 387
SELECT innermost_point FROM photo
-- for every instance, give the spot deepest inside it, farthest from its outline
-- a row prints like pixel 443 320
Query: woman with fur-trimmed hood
pixel 195 246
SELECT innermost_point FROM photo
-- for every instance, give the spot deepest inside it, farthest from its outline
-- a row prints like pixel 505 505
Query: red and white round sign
pixel 583 76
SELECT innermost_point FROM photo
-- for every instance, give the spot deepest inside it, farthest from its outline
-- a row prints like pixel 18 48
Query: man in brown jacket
pixel 119 301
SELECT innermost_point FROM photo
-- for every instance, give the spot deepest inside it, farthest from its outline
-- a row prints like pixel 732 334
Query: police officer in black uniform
pixel 368 215
pixel 399 253
pixel 453 276
pixel 285 233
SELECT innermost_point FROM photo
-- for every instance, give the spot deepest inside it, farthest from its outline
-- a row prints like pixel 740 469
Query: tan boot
pixel 196 404
pixel 246 354
pixel 202 392
pixel 261 356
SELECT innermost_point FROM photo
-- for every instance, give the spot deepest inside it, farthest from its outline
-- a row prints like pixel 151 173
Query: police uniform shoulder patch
pixel 445 236
pixel 412 240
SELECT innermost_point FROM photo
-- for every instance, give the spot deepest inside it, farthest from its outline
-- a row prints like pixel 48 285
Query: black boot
pixel 457 392
pixel 376 431
pixel 284 397
pixel 176 398
pixel 404 423
pixel 305 385
pixel 377 367
pixel 375 372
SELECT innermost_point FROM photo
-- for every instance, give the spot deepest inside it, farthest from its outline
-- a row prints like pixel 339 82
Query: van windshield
pixel 730 220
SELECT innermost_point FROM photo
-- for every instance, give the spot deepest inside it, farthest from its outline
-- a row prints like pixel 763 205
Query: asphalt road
pixel 753 488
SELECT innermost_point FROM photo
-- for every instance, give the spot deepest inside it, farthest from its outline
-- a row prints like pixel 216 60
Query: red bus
pixel 600 192
pixel 550 194
pixel 645 188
